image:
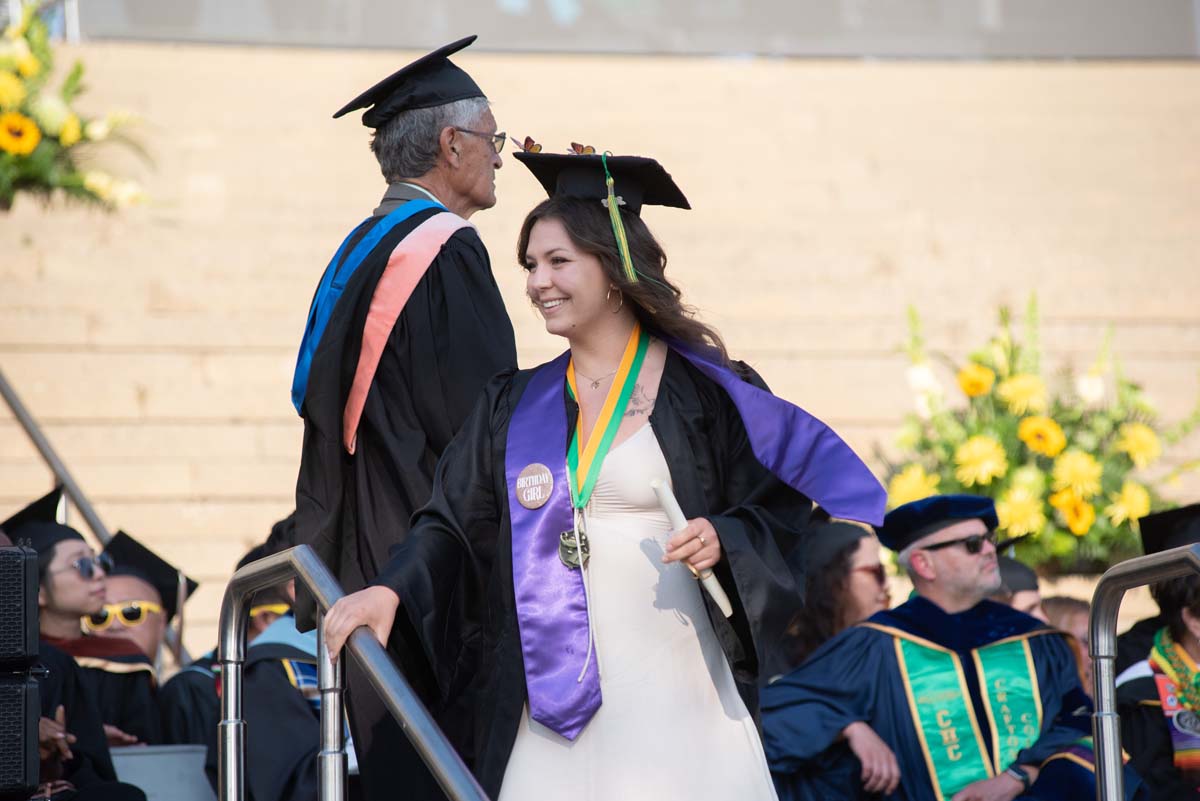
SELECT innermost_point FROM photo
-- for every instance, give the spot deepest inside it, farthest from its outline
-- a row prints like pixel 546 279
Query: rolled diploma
pixel 666 499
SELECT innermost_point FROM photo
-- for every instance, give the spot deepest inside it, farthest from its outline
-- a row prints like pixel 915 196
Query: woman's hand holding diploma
pixel 695 543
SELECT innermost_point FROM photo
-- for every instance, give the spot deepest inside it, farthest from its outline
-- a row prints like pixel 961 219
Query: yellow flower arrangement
pixel 1078 472
pixel 1058 459
pixel 1140 442
pixel 975 380
pixel 981 459
pixel 1042 435
pixel 39 126
pixel 911 484
pixel 19 135
pixel 1023 393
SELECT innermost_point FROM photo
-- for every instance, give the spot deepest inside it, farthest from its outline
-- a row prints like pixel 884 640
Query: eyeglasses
pixel 498 139
pixel 86 565
pixel 875 570
pixel 973 543
pixel 131 613
pixel 274 609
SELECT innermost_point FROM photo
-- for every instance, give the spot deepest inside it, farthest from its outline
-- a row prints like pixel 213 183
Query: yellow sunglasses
pixel 275 609
pixel 131 613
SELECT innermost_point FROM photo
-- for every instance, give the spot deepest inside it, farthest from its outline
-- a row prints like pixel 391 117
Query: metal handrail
pixel 302 563
pixel 1106 602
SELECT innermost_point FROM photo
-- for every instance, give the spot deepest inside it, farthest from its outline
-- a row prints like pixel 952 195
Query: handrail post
pixel 331 765
pixel 430 742
pixel 1106 603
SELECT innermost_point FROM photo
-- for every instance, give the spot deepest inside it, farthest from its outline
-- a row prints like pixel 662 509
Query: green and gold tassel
pixel 614 214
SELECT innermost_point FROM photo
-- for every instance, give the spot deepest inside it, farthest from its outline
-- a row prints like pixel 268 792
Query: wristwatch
pixel 1018 773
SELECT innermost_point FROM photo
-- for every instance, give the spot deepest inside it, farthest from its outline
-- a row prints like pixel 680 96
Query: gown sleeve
pixel 440 570
pixel 805 711
pixel 760 523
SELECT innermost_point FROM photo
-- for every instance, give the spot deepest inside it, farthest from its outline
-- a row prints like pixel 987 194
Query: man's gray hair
pixel 407 144
pixel 904 559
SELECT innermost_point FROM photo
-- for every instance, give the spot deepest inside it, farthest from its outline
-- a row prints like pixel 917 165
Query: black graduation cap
pixel 44 509
pixel 822 542
pixel 1162 531
pixel 42 535
pixel 431 80
pixel 131 558
pixel 637 180
pixel 1017 576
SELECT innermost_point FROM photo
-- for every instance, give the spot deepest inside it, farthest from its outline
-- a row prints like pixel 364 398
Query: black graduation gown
pixel 188 706
pixel 1145 736
pixel 454 572
pixel 1134 645
pixel 451 337
pixel 856 677
pixel 121 678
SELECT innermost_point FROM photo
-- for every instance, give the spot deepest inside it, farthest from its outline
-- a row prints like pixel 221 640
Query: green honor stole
pixel 947 728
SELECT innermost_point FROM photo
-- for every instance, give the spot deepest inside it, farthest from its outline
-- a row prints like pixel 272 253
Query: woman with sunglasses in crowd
pixel 551 608
pixel 844 582
pixel 73 583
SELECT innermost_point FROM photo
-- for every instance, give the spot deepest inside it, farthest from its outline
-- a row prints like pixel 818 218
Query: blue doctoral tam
pixel 906 524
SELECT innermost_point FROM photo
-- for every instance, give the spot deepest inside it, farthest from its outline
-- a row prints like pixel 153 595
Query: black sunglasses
pixel 973 543
pixel 86 565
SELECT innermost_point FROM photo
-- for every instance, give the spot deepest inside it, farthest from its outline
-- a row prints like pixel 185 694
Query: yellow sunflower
pixel 911 484
pixel 1063 498
pixel 980 459
pixel 1132 503
pixel 1140 442
pixel 19 135
pixel 975 380
pixel 1079 472
pixel 1021 512
pixel 1042 435
pixel 1023 393
pixel 12 90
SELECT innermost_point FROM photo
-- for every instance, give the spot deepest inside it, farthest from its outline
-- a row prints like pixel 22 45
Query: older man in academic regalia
pixel 949 696
pixel 406 327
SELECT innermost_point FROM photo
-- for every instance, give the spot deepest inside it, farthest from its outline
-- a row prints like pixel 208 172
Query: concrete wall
pixel 156 345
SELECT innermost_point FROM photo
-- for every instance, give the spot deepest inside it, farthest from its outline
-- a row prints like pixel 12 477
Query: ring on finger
pixel 703 541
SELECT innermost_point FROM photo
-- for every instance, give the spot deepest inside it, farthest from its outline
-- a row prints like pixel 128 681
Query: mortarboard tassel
pixel 614 214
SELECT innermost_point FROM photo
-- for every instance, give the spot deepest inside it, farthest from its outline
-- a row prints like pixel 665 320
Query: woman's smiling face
pixel 567 285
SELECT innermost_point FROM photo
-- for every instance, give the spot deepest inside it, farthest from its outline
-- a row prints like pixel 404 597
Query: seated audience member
pixel 1158 697
pixel 73 583
pixel 71 742
pixel 844 582
pixel 188 704
pixel 1160 531
pixel 1019 588
pixel 934 696
pixel 1072 616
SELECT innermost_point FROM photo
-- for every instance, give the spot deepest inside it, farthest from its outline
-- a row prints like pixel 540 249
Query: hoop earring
pixel 621 296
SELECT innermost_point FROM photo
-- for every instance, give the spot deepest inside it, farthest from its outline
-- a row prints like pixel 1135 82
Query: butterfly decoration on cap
pixel 529 146
pixel 582 150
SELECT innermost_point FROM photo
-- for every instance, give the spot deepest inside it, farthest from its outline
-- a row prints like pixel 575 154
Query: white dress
pixel 671 724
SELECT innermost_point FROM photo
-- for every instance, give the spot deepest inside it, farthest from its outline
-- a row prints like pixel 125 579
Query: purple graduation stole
pixel 552 610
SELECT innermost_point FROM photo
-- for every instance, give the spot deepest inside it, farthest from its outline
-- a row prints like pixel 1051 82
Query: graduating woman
pixel 565 644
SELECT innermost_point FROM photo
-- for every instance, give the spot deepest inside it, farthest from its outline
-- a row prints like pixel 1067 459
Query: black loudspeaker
pixel 18 609
pixel 20 709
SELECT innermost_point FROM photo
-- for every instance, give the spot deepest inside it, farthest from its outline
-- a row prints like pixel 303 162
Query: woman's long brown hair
pixel 656 302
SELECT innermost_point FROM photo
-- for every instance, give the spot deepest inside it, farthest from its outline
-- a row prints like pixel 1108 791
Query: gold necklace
pixel 595 382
